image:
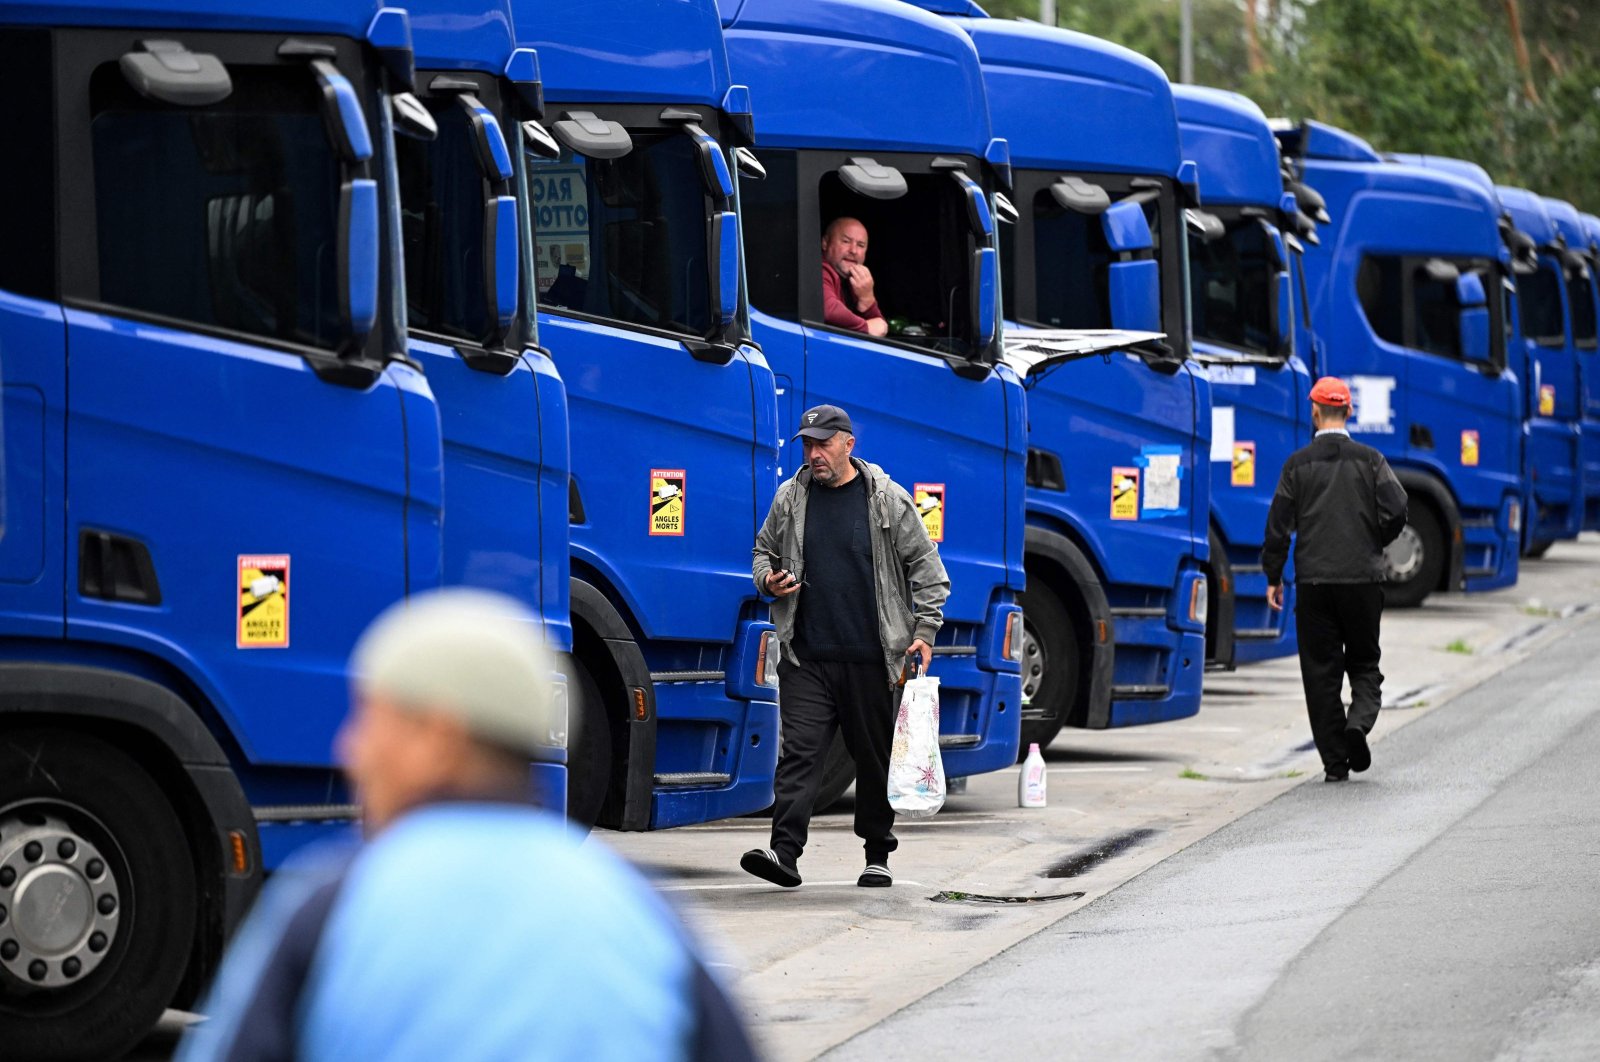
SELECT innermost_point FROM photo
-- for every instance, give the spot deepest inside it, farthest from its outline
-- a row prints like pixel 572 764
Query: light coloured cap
pixel 471 653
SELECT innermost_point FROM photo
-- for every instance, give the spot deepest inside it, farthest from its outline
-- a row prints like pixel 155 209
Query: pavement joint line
pixel 727 885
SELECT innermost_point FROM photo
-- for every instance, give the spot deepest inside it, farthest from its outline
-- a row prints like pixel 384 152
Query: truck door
pixel 236 450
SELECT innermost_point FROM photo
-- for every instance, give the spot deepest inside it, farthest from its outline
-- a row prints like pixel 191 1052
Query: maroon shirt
pixel 838 307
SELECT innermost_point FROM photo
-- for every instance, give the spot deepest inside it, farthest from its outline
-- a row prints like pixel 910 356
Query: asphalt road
pixel 1442 906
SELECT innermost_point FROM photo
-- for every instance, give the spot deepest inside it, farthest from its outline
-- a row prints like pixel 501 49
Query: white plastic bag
pixel 916 772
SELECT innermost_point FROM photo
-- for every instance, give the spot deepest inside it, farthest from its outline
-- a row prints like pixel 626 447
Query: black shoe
pixel 1355 741
pixel 764 863
pixel 876 876
pixel 1338 772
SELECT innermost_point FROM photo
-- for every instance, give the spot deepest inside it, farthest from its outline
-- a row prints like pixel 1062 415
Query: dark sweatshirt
pixel 1343 503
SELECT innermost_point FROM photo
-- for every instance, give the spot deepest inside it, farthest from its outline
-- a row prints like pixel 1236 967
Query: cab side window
pixel 771 237
pixel 441 204
pixel 1580 296
pixel 1379 287
pixel 224 216
pixel 1542 319
pixel 27 180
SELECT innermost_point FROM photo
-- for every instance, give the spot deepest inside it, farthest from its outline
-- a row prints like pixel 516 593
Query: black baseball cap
pixel 822 422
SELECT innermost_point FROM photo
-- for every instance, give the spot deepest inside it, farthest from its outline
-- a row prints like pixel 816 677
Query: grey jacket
pixel 910 578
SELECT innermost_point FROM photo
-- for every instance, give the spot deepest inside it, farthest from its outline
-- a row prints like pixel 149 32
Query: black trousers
pixel 1338 631
pixel 815 698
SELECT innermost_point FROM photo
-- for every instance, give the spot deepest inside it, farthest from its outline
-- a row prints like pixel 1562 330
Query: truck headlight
pixel 767 657
pixel 1514 516
pixel 1013 640
pixel 1199 601
pixel 556 735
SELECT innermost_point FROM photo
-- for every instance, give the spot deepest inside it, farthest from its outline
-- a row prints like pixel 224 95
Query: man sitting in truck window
pixel 844 254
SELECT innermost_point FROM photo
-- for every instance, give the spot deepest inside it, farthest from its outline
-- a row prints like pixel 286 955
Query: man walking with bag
pixel 1342 501
pixel 858 586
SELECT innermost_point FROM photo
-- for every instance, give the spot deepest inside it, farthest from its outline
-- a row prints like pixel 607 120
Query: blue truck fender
pixel 168 733
pixel 1421 483
pixel 1064 554
pixel 592 609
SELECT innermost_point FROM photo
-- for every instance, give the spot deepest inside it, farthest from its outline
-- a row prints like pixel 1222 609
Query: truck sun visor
pixel 866 177
pixel 588 134
pixel 1080 196
pixel 169 72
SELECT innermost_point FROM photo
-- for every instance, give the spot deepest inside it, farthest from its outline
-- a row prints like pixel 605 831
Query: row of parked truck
pixel 308 306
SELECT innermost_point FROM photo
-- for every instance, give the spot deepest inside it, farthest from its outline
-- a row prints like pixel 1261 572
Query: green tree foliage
pixel 1437 76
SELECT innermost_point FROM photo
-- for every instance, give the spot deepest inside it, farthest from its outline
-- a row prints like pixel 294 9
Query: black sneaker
pixel 876 876
pixel 764 863
pixel 1338 772
pixel 1355 741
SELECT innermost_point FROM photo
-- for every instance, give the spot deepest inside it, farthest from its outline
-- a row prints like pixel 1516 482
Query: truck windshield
pixel 625 239
pixel 236 225
pixel 1231 288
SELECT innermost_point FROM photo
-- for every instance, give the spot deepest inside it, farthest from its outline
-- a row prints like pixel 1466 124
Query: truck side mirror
pixel 725 265
pixel 985 293
pixel 1474 318
pixel 358 255
pixel 502 258
pixel 1126 228
pixel 1134 283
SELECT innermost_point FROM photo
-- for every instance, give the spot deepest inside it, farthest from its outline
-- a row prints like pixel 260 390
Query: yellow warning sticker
pixel 263 601
pixel 666 501
pixel 1124 494
pixel 1547 400
pixel 1244 464
pixel 929 499
pixel 1469 448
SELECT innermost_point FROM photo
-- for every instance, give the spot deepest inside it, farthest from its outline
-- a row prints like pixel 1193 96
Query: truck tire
pixel 589 751
pixel 1221 648
pixel 1051 666
pixel 838 774
pixel 98 887
pixel 1539 549
pixel 1415 559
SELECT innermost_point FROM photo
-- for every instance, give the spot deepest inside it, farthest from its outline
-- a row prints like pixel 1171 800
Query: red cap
pixel 1331 391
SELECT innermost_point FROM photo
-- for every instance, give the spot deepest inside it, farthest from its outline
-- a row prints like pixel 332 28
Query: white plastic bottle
pixel 1031 780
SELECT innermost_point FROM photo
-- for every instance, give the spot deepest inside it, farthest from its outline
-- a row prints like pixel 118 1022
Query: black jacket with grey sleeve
pixel 1342 502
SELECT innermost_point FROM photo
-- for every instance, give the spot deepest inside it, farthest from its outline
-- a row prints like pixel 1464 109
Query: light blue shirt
pixel 481 931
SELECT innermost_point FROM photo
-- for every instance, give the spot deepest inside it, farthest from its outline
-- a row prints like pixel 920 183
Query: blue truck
pixel 502 405
pixel 239 468
pixel 931 401
pixel 1118 470
pixel 1576 257
pixel 1554 384
pixel 1404 297
pixel 1591 383
pixel 1551 449
pixel 1241 296
pixel 633 249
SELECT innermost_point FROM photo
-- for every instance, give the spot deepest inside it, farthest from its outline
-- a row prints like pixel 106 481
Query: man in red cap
pixel 1342 503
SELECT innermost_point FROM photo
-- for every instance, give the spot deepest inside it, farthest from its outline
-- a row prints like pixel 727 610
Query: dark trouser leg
pixel 1322 667
pixel 808 709
pixel 1361 614
pixel 867 709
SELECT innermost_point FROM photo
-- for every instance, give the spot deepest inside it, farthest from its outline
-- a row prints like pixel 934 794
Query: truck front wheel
pixel 589 751
pixel 1414 560
pixel 97 898
pixel 1051 665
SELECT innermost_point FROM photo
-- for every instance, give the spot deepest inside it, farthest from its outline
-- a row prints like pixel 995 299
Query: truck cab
pixel 1118 473
pixel 1577 258
pixel 1401 291
pixel 633 248
pixel 1241 297
pixel 237 469
pixel 931 401
pixel 1554 385
pixel 502 405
